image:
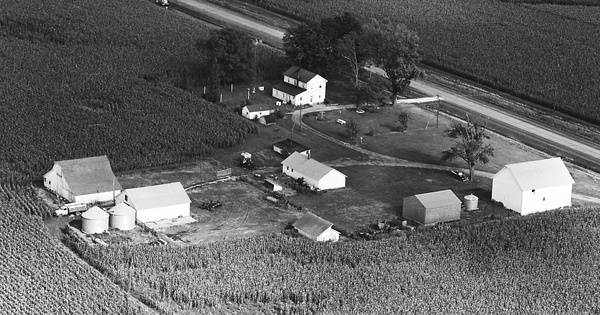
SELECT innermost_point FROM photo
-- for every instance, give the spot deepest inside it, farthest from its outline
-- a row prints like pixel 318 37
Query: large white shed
pixel 316 228
pixel 155 203
pixel 87 180
pixel 533 186
pixel 314 173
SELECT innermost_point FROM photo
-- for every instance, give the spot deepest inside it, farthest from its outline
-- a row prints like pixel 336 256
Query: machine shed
pixel 432 208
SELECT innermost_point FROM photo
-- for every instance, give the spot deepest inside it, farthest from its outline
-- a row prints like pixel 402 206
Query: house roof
pixel 269 119
pixel 299 74
pixel 289 89
pixel 122 209
pixel 158 196
pixel 312 225
pixel 259 107
pixel 89 175
pixel 308 167
pixel 291 145
pixel 438 198
pixel 95 213
pixel 539 174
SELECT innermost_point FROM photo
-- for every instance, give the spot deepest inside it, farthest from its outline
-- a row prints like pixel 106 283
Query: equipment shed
pixel 155 203
pixel 432 208
pixel 314 173
pixel 316 228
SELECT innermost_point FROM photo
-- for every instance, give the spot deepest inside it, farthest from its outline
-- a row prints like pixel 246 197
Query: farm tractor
pixel 246 159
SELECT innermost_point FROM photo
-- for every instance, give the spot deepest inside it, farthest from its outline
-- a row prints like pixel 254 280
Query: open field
pixel 545 55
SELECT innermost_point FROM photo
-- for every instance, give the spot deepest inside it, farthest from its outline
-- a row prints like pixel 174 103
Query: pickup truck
pixel 70 208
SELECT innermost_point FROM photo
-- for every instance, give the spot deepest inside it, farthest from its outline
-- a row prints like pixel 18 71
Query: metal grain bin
pixel 122 217
pixel 471 202
pixel 93 221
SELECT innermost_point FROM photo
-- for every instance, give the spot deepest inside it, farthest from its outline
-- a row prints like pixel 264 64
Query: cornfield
pixel 540 264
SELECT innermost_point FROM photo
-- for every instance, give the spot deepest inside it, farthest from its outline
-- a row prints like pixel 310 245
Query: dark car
pixel 210 206
pixel 459 175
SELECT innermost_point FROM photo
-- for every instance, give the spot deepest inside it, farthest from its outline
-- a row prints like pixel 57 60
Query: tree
pixel 352 129
pixel 213 92
pixel 403 119
pixel 470 146
pixel 307 46
pixel 233 51
pixel 393 48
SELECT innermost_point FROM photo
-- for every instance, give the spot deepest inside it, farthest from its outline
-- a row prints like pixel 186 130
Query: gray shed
pixel 432 208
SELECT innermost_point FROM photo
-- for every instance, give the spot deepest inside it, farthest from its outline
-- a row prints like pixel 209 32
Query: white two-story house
pixel 300 87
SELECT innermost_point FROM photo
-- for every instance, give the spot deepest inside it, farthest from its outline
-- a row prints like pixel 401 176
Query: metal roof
pixel 157 196
pixel 312 225
pixel 289 89
pixel 438 198
pixel 259 107
pixel 89 175
pixel 122 209
pixel 539 174
pixel 299 74
pixel 95 213
pixel 291 145
pixel 308 167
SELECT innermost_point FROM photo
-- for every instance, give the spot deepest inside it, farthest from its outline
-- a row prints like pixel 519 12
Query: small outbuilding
pixel 122 217
pixel 432 208
pixel 316 228
pixel 273 185
pixel 268 120
pixel 314 173
pixel 93 221
pixel 85 181
pixel 155 203
pixel 289 146
pixel 257 111
pixel 533 186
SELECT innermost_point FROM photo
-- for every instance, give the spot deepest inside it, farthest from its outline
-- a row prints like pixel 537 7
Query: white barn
pixel 155 203
pixel 300 87
pixel 316 228
pixel 533 186
pixel 314 173
pixel 88 180
pixel 257 111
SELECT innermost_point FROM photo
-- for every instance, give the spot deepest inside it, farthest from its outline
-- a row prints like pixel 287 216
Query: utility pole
pixel 437 113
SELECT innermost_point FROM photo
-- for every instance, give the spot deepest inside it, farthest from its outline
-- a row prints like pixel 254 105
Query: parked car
pixel 459 175
pixel 340 121
pixel 360 111
pixel 210 206
pixel 163 3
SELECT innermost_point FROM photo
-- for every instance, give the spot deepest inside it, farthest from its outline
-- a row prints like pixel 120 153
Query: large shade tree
pixel 470 145
pixel 233 51
pixel 393 48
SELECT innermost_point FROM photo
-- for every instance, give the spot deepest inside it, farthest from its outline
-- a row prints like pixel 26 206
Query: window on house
pixel 544 199
pixel 126 198
pixel 287 168
pixel 533 191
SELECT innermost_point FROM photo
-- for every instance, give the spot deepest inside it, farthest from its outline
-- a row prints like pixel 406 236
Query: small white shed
pixel 533 186
pixel 316 228
pixel 314 173
pixel 155 203
pixel 257 111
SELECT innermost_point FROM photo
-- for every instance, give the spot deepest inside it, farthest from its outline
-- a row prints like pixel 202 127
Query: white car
pixel 340 121
pixel 360 111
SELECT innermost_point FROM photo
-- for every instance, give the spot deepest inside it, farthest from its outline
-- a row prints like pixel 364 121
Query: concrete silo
pixel 93 221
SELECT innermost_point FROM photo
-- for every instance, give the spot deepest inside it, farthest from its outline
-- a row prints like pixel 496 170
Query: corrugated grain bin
pixel 93 221
pixel 122 217
pixel 471 202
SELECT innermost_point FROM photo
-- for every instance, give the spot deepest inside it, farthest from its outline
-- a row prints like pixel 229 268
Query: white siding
pixel 94 198
pixel 329 235
pixel 332 180
pixel 505 189
pixel 546 199
pixel 169 212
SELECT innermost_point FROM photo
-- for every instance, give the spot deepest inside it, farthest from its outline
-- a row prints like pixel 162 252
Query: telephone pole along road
pixel 570 146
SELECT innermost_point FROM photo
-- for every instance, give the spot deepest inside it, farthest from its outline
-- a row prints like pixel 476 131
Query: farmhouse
pixel 155 203
pixel 300 87
pixel 432 208
pixel 316 228
pixel 87 180
pixel 314 173
pixel 257 111
pixel 289 146
pixel 533 186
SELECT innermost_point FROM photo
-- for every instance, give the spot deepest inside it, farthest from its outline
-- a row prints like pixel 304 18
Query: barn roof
pixel 122 209
pixel 308 167
pixel 89 175
pixel 438 198
pixel 312 225
pixel 151 197
pixel 299 74
pixel 95 213
pixel 291 145
pixel 289 89
pixel 259 107
pixel 539 174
